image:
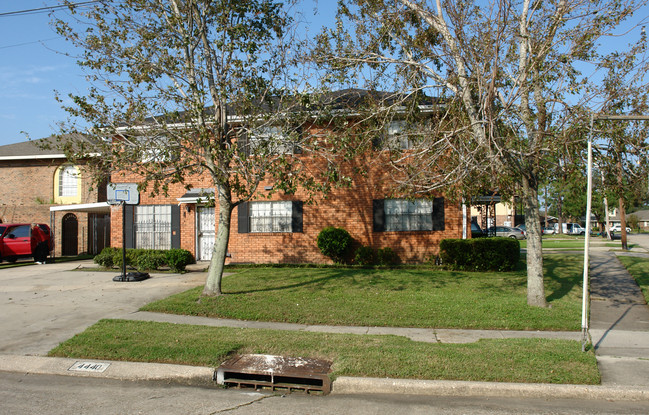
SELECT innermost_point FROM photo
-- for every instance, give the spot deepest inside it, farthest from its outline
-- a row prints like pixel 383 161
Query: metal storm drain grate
pixel 275 372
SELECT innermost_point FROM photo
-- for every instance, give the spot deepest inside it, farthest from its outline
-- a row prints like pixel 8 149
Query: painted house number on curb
pixel 89 367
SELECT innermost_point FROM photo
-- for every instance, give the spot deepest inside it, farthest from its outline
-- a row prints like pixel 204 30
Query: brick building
pixel 41 186
pixel 284 228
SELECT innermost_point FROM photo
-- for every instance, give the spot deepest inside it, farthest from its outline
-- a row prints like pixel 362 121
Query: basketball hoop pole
pixel 123 203
pixel 125 194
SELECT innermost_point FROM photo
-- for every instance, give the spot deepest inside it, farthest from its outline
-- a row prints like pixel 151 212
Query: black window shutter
pixel 296 216
pixel 438 214
pixel 379 215
pixel 243 220
pixel 129 235
pixel 378 142
pixel 175 226
pixel 242 142
pixel 299 133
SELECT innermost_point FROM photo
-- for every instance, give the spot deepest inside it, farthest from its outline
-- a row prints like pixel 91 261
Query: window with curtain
pixel 271 216
pixel 408 215
pixel 153 227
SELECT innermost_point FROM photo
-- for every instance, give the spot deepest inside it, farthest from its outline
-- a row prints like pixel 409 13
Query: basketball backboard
pixel 123 192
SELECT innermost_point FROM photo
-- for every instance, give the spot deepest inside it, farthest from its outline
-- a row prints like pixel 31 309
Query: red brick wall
pixel 350 208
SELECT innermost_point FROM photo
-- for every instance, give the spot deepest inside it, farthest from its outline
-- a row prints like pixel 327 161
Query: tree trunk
pixel 535 288
pixel 620 184
pixel 560 214
pixel 625 245
pixel 217 264
pixel 545 200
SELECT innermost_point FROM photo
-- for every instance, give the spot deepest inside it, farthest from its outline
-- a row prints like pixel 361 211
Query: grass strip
pixel 639 270
pixel 501 360
pixel 393 298
pixel 558 244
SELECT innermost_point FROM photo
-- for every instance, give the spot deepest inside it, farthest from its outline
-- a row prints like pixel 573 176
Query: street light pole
pixel 585 296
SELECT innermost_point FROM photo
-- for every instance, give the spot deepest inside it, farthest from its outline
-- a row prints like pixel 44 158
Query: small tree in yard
pixel 169 76
pixel 509 78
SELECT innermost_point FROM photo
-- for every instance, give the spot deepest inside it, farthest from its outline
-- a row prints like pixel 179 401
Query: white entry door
pixel 206 225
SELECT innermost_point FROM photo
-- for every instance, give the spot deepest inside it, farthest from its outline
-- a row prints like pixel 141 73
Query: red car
pixel 25 240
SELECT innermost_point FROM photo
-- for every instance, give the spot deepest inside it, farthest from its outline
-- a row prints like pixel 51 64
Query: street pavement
pixel 44 305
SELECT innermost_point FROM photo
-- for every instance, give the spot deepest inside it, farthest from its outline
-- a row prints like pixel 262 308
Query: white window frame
pixel 68 182
pixel 271 138
pixel 155 149
pixel 408 215
pixel 271 217
pixel 396 137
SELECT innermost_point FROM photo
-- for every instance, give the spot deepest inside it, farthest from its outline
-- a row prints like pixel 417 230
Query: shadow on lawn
pixel 565 274
pixel 368 279
pixel 315 281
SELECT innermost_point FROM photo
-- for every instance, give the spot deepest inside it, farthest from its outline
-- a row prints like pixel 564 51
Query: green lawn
pixel 639 269
pixel 559 243
pixel 416 297
pixel 508 360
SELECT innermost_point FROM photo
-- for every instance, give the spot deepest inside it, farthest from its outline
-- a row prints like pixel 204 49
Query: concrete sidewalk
pixel 619 322
pixel 619 331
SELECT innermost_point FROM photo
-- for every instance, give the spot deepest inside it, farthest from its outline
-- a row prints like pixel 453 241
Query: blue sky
pixel 33 65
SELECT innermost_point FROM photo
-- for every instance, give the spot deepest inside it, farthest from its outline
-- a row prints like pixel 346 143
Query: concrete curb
pixel 203 376
pixel 351 385
pixel 134 371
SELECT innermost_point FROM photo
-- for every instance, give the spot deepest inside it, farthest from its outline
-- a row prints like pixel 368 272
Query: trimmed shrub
pixel 480 254
pixel 105 257
pixel 150 259
pixel 365 255
pixel 146 259
pixel 178 259
pixel 387 256
pixel 334 243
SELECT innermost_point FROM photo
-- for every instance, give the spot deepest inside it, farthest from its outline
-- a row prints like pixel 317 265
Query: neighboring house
pixel 284 227
pixel 492 210
pixel 41 186
pixel 642 215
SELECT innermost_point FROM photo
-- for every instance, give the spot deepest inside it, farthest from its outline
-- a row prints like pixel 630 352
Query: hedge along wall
pixel 480 254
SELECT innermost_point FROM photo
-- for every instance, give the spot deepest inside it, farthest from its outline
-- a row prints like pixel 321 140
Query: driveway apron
pixel 44 305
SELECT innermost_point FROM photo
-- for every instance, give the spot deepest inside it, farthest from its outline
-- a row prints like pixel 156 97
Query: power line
pixel 29 43
pixel 47 9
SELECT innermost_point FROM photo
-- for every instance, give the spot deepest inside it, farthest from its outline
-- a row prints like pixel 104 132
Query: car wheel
pixel 512 236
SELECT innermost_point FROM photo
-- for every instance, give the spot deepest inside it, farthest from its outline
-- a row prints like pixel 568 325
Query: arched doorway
pixel 70 235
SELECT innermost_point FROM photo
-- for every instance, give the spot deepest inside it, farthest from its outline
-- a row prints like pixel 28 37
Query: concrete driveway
pixel 43 305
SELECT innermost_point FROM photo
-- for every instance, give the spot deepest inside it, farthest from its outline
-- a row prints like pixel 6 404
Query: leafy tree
pixel 506 72
pixel 187 88
pixel 633 221
pixel 623 151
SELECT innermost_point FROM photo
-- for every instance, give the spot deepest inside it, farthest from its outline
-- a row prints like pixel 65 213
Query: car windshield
pixel 2 229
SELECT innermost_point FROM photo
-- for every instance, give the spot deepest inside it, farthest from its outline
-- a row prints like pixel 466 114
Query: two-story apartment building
pixel 283 228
